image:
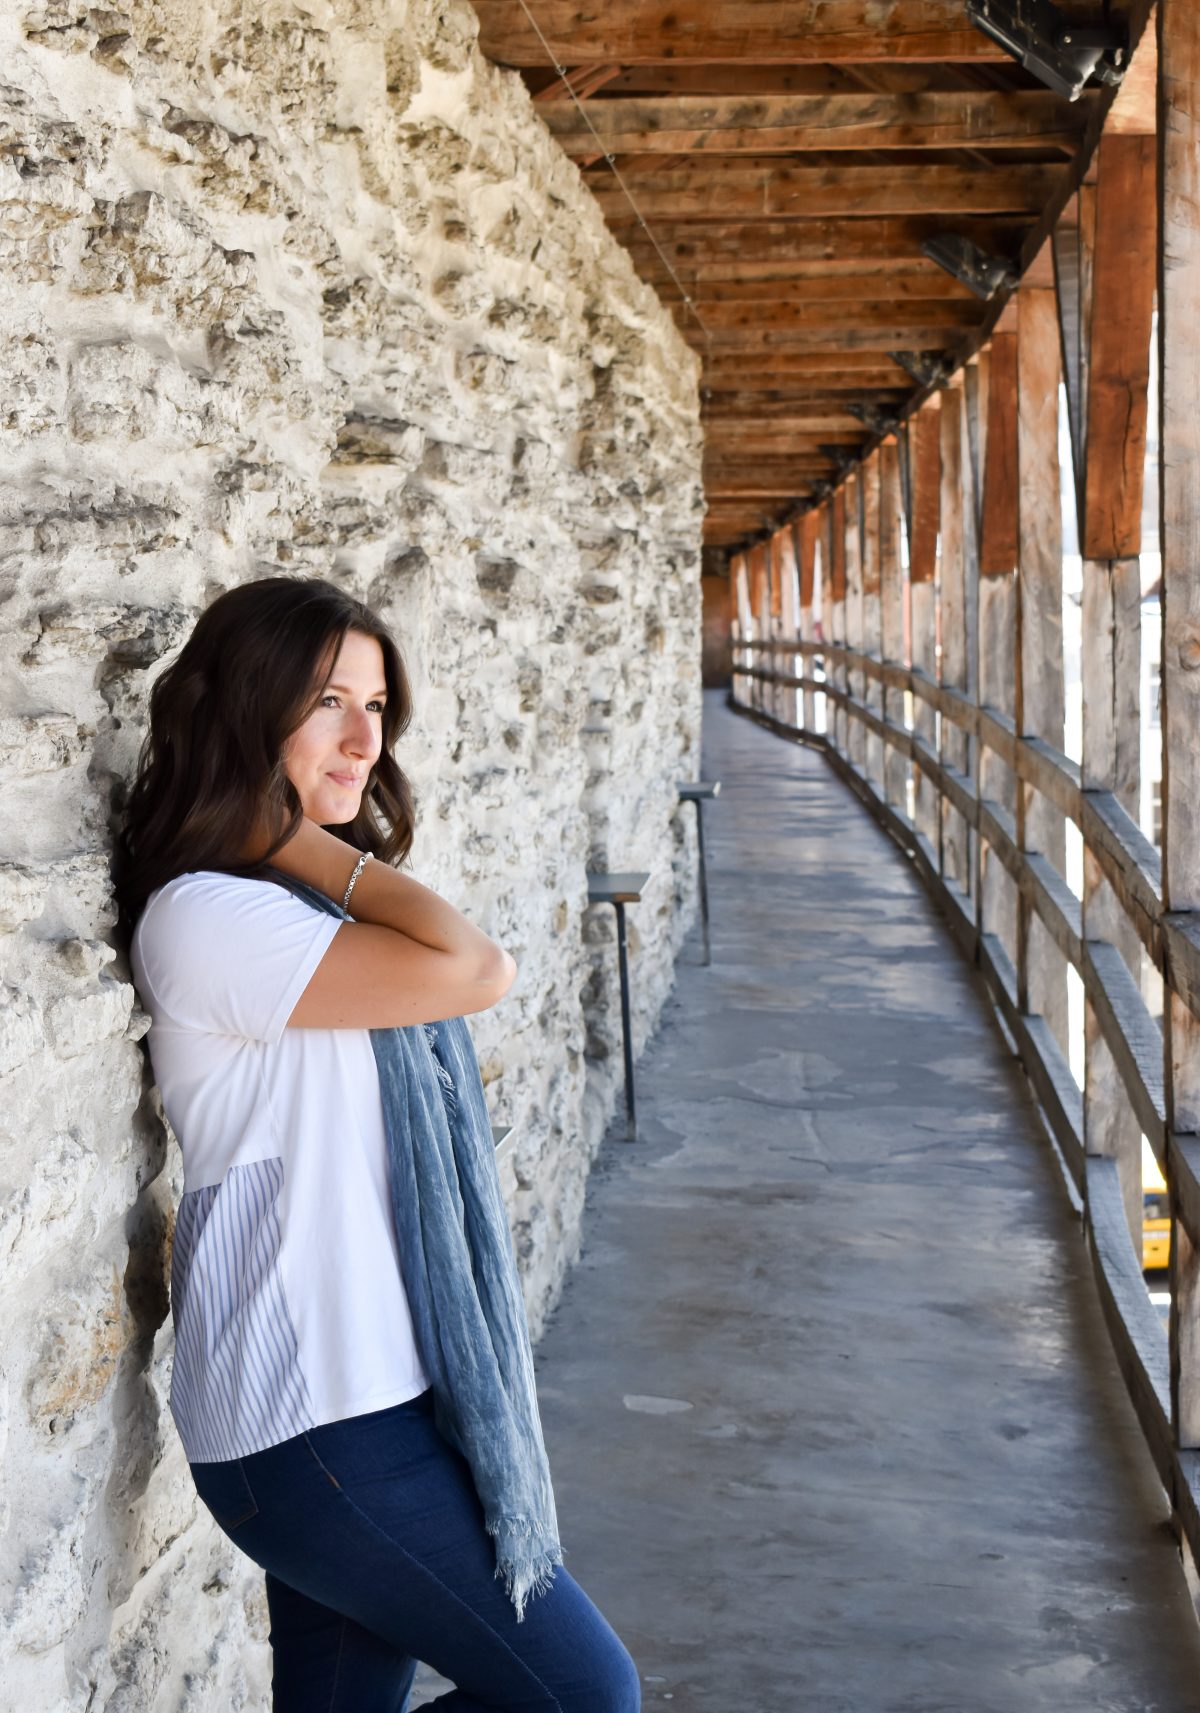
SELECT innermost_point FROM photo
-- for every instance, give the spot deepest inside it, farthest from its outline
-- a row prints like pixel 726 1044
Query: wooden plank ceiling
pixel 790 157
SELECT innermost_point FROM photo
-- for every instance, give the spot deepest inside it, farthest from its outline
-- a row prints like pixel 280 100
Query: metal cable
pixel 612 161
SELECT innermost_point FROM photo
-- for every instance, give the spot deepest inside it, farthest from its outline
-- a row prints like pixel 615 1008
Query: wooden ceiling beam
pixel 759 476
pixel 725 531
pixel 762 346
pixel 883 284
pixel 725 509
pixel 758 393
pixel 721 243
pixel 747 379
pixel 897 78
pixel 840 365
pixel 749 343
pixel 752 464
pixel 806 456
pixel 832 370
pixel 832 314
pixel 805 436
pixel 777 496
pixel 770 403
pixel 721 193
pixel 825 428
pixel 639 32
pixel 584 81
pixel 809 275
pixel 731 124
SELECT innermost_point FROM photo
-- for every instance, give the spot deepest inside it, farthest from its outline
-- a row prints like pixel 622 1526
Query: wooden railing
pixel 910 621
pixel 1132 1036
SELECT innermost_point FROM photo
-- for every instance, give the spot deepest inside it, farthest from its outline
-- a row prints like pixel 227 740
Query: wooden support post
pixel 1118 369
pixel 871 643
pixel 1041 968
pixel 998 540
pixel 807 536
pixel 1179 372
pixel 952 604
pixel 926 453
pixel 972 507
pixel 837 553
pixel 856 739
pixel 789 619
pixel 1111 445
pixel 998 625
pixel 771 658
pixel 891 598
pixel 1111 671
pixel 826 564
pixel 739 572
pixel 784 703
pixel 977 379
pixel 760 595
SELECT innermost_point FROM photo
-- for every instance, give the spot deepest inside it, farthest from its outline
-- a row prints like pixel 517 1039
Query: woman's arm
pixel 407 957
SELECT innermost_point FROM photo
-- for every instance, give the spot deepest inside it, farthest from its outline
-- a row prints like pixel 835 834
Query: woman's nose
pixel 361 737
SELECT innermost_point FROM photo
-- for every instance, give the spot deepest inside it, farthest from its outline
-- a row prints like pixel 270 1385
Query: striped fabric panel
pixel 236 1384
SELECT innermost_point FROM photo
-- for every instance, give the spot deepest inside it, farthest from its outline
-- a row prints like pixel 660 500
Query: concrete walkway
pixel 830 1407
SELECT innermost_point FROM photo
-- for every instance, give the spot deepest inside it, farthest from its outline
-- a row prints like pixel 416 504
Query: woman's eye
pixel 336 701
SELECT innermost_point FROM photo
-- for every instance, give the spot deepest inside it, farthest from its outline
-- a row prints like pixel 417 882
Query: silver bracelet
pixel 362 862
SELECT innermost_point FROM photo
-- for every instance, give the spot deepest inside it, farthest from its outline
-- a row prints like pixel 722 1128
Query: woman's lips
pixel 346 778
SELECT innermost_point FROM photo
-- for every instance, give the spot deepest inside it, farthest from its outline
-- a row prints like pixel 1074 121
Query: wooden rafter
pixel 732 124
pixel 895 284
pixel 747 78
pixel 790 161
pixel 791 407
pixel 723 191
pixel 582 83
pixel 828 313
pixel 698 31
pixel 870 333
pixel 879 239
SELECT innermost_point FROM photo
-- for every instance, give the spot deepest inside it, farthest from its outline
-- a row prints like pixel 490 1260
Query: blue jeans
pixel 372 1537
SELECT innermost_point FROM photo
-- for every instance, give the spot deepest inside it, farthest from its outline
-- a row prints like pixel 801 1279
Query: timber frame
pixel 951 723
pixel 790 160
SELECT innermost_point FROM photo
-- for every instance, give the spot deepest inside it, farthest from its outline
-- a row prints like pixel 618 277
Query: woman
pixel 352 1379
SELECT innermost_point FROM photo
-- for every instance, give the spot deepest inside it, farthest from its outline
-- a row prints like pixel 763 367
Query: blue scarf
pixel 460 1273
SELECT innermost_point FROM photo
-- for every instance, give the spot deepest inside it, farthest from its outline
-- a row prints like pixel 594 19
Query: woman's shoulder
pixel 222 952
pixel 204 899
pixel 198 887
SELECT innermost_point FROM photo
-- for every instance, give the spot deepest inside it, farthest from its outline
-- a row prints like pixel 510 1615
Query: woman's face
pixel 329 757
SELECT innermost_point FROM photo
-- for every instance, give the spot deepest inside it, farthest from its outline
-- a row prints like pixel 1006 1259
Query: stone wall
pixel 308 289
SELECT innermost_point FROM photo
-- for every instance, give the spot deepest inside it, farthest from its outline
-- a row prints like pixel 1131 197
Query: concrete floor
pixel 830 1407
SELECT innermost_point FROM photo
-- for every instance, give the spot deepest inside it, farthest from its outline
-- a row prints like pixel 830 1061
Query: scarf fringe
pixel 524 1575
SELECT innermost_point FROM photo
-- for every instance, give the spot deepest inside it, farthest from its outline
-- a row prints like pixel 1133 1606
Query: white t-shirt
pixel 286 1290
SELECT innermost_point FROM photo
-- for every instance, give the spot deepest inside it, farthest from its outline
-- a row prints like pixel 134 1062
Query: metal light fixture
pixel 927 368
pixel 973 267
pixel 1059 53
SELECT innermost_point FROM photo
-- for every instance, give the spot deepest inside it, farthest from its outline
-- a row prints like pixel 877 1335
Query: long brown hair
pixel 250 673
